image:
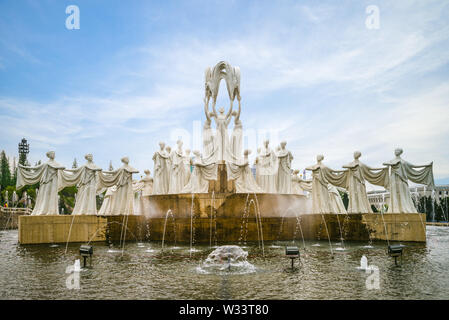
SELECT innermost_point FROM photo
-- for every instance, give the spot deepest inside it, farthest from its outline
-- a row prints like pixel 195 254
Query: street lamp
pixel 24 149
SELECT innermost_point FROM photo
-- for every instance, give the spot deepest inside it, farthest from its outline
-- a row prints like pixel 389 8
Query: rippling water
pixel 145 272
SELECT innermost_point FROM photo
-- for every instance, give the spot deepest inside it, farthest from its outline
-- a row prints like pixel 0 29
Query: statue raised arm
pixel 206 110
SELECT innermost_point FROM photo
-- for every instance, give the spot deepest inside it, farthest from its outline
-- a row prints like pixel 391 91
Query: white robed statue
pixel 402 171
pixel 161 170
pixel 242 176
pixel 202 173
pixel 320 193
pixel 138 186
pixel 209 144
pixel 147 184
pixel 187 166
pixel 357 173
pixel 221 134
pixel 336 202
pixel 47 175
pixel 85 178
pixel 266 169
pixel 123 199
pixel 296 184
pixel 284 181
pixel 106 206
pixel 177 172
pixel 236 141
pixel 222 70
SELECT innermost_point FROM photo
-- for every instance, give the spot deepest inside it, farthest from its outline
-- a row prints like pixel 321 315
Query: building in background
pixel 379 198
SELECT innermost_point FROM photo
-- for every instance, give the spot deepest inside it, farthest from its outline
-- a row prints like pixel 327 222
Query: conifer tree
pixel 5 173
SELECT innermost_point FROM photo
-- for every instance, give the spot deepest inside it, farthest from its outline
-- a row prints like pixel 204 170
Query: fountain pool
pixel 144 271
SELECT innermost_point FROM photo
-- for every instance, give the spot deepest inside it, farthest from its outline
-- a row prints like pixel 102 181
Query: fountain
pixel 213 220
pixel 169 212
pixel 227 259
pixel 220 194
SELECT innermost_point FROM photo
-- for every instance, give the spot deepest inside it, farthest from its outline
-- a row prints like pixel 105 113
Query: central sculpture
pixel 220 152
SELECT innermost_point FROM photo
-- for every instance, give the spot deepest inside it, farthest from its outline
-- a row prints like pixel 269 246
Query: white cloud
pixel 158 86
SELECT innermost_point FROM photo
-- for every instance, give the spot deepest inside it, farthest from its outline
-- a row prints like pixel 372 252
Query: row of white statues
pixel 324 186
pixel 90 181
pixel 393 177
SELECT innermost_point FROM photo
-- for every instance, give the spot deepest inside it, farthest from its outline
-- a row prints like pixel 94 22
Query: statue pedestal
pixel 222 185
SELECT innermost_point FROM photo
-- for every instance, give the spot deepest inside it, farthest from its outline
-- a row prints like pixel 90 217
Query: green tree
pixel 67 198
pixel 22 158
pixel 5 173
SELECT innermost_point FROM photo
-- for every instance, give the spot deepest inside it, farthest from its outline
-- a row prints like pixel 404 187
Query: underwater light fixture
pixel 86 251
pixel 292 253
pixel 395 250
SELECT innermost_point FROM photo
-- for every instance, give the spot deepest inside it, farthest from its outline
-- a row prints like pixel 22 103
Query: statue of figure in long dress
pixel 242 175
pixel 267 169
pixel 137 186
pixel 123 200
pixel 402 171
pixel 47 175
pixel 296 186
pixel 221 134
pixel 24 199
pixel 236 141
pixel 7 197
pixel 187 166
pixel 336 203
pixel 161 171
pixel 320 192
pixel 356 175
pixel 177 172
pixel 202 173
pixel 284 172
pixel 147 184
pixel 85 178
pixel 106 206
pixel 222 70
pixel 209 143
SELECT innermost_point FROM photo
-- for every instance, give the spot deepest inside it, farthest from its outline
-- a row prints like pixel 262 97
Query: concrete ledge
pixel 353 227
pixel 9 217
pixel 55 229
pixel 400 226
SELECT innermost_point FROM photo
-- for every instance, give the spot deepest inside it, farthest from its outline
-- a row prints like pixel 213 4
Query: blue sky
pixel 311 74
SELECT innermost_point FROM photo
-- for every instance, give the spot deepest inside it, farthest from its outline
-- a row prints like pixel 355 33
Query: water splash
pixel 68 236
pixel 192 230
pixel 363 263
pixel 328 236
pixel 341 236
pixel 169 213
pixel 213 221
pixel 225 260
pixel 298 224
pixel 244 225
